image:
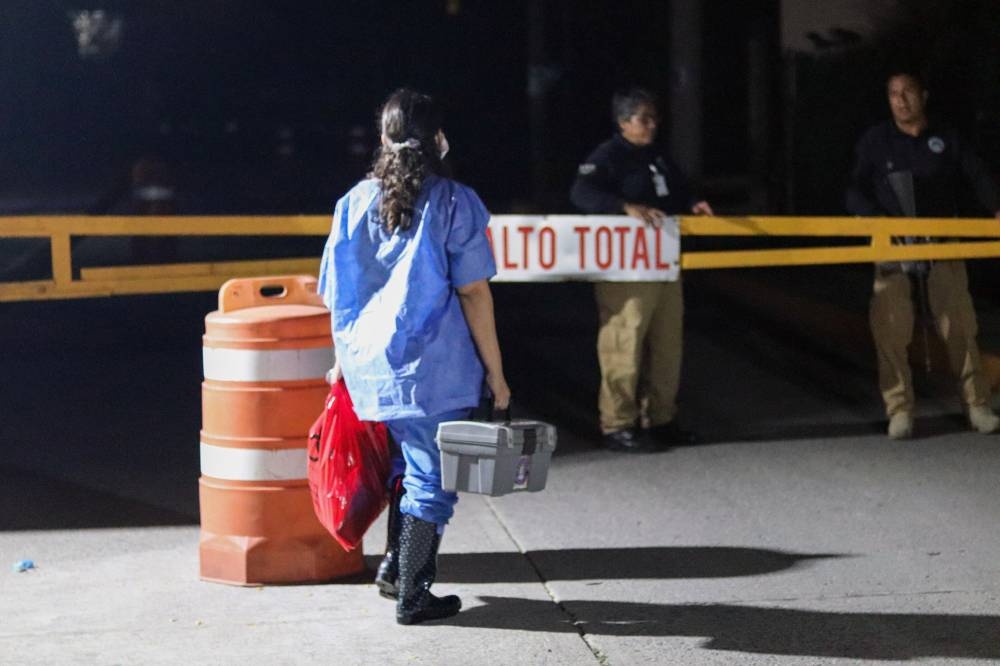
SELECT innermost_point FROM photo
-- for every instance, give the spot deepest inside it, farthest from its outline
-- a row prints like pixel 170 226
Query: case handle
pixel 486 410
pixel 240 293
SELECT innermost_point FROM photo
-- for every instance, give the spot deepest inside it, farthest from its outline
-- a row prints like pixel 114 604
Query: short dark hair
pixel 908 72
pixel 625 103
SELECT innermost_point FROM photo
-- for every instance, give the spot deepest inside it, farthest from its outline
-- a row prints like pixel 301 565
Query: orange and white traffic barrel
pixel 266 353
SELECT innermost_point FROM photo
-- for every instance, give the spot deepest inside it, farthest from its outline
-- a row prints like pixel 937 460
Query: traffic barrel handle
pixel 240 293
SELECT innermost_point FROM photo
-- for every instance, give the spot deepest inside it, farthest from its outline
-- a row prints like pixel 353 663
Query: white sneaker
pixel 982 419
pixel 901 425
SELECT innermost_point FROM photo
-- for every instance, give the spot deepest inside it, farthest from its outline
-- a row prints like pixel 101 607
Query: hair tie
pixel 409 143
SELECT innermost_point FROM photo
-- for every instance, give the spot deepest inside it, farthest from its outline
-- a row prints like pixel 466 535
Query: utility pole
pixel 685 88
pixel 758 125
pixel 536 92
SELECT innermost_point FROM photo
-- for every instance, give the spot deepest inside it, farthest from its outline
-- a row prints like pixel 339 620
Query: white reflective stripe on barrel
pixel 252 365
pixel 223 462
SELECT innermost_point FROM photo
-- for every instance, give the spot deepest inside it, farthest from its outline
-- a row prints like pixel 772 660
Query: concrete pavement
pixel 797 535
pixel 774 552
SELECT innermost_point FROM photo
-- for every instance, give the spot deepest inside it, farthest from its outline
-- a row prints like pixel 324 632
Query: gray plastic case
pixel 495 458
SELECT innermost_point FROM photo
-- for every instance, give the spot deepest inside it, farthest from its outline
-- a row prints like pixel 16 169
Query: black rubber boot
pixel 388 569
pixel 418 546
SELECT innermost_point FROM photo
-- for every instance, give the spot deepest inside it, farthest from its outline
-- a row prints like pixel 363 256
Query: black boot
pixel 671 434
pixel 629 440
pixel 388 570
pixel 418 546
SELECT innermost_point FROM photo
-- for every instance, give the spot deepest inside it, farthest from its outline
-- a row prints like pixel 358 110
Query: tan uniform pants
pixel 892 317
pixel 639 350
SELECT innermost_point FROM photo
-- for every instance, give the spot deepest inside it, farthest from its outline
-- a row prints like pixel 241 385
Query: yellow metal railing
pixel 152 279
pixel 208 276
pixel 879 230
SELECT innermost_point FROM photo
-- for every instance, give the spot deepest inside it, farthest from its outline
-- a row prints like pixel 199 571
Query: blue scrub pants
pixel 418 459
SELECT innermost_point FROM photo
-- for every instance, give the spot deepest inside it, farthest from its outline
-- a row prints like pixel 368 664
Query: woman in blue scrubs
pixel 405 274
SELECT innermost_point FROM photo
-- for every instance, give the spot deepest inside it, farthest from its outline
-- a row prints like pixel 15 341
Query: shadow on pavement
pixel 572 442
pixel 35 502
pixel 755 629
pixel 615 563
pixel 926 427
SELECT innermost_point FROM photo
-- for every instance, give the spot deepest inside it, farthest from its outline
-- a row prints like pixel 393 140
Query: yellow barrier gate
pixel 152 279
pixel 978 238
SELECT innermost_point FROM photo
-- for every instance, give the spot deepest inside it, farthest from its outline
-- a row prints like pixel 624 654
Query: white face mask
pixel 442 144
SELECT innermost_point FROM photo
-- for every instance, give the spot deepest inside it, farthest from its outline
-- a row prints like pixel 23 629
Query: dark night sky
pixel 211 85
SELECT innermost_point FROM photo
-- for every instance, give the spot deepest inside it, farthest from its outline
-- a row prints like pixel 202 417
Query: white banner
pixel 594 248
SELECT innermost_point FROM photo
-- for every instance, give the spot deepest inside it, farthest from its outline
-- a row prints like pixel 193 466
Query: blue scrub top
pixel 400 335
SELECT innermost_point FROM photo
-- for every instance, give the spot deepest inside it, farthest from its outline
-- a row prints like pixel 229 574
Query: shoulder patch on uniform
pixel 587 169
pixel 936 144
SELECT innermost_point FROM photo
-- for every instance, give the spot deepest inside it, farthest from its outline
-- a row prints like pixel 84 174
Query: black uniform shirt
pixel 946 173
pixel 618 172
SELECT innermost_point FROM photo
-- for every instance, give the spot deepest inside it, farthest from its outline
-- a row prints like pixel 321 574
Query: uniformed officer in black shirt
pixel 640 337
pixel 910 166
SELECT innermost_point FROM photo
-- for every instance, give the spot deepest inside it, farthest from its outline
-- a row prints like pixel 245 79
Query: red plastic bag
pixel 348 469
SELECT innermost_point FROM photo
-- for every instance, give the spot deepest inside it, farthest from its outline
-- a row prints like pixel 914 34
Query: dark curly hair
pixel 409 122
